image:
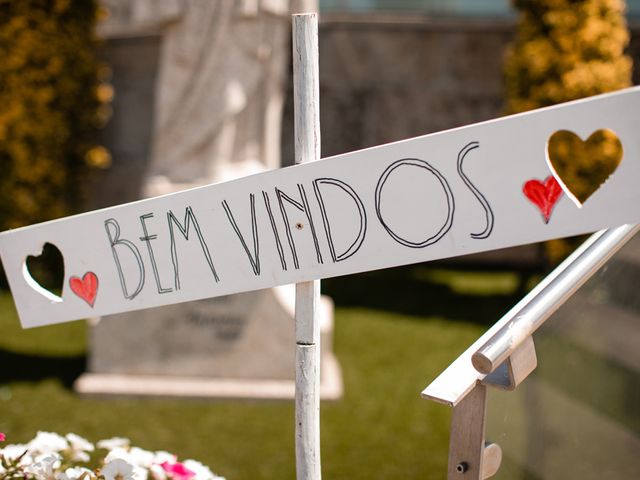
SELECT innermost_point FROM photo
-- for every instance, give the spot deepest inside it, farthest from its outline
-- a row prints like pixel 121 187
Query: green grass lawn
pixel 394 332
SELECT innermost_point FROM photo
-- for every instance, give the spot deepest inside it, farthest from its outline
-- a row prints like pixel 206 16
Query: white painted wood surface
pixel 307 149
pixel 395 204
pixel 307 412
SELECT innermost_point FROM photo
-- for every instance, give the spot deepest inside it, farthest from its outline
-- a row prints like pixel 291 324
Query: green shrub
pixel 50 107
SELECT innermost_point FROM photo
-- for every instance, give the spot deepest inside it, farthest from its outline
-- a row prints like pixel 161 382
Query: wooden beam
pixel 307 149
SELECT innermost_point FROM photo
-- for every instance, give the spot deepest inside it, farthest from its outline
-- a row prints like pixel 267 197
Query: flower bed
pixel 50 456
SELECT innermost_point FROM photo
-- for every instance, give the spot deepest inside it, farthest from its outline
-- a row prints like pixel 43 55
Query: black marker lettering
pixel 255 259
pixel 307 211
pixel 114 241
pixel 272 220
pixel 481 198
pixel 189 217
pixel 303 207
pixel 147 239
pixel 414 162
pixel 355 246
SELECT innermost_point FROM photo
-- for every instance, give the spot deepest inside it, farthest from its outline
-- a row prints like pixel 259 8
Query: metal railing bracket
pixel 515 368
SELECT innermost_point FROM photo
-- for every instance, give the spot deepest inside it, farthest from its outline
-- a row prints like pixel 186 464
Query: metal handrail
pixel 541 303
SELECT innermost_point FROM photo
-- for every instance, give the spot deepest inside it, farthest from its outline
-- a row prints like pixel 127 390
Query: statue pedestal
pixel 238 346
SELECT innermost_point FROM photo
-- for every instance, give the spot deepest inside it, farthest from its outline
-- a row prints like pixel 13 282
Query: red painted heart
pixel 544 195
pixel 86 287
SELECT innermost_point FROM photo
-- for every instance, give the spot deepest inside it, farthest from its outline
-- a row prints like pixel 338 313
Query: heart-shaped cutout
pixel 45 272
pixel 544 194
pixel 86 287
pixel 582 167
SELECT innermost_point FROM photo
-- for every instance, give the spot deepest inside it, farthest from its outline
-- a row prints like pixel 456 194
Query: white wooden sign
pixel 471 189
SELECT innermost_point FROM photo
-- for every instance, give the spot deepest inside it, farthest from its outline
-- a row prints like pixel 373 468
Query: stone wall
pixel 382 79
pixel 385 79
pixel 134 63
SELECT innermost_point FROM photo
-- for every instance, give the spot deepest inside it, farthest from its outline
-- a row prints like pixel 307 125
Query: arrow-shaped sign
pixel 491 185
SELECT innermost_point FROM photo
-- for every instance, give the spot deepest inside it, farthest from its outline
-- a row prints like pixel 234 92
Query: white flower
pixel 202 471
pixel 43 457
pixel 44 467
pixel 80 456
pixel 161 456
pixel 143 458
pixel 12 452
pixel 79 443
pixel 118 453
pixel 118 469
pixel 79 447
pixel 75 474
pixel 47 442
pixel 140 473
pixel 115 442
pixel 157 472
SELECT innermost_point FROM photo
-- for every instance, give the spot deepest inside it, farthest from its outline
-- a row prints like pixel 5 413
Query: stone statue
pixel 220 93
pixel 218 105
pixel 220 86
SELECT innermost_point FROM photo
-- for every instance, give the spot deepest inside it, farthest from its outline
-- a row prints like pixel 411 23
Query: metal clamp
pixel 470 457
pixel 517 367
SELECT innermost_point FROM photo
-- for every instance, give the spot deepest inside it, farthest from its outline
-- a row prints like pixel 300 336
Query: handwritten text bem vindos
pixel 185 229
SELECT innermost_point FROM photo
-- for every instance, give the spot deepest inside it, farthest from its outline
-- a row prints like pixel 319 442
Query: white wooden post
pixel 307 149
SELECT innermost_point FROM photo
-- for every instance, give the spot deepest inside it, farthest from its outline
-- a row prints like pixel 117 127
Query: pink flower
pixel 2 437
pixel 177 471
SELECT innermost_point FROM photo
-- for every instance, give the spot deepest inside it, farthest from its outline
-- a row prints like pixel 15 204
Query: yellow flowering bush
pixel 565 50
pixel 50 107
